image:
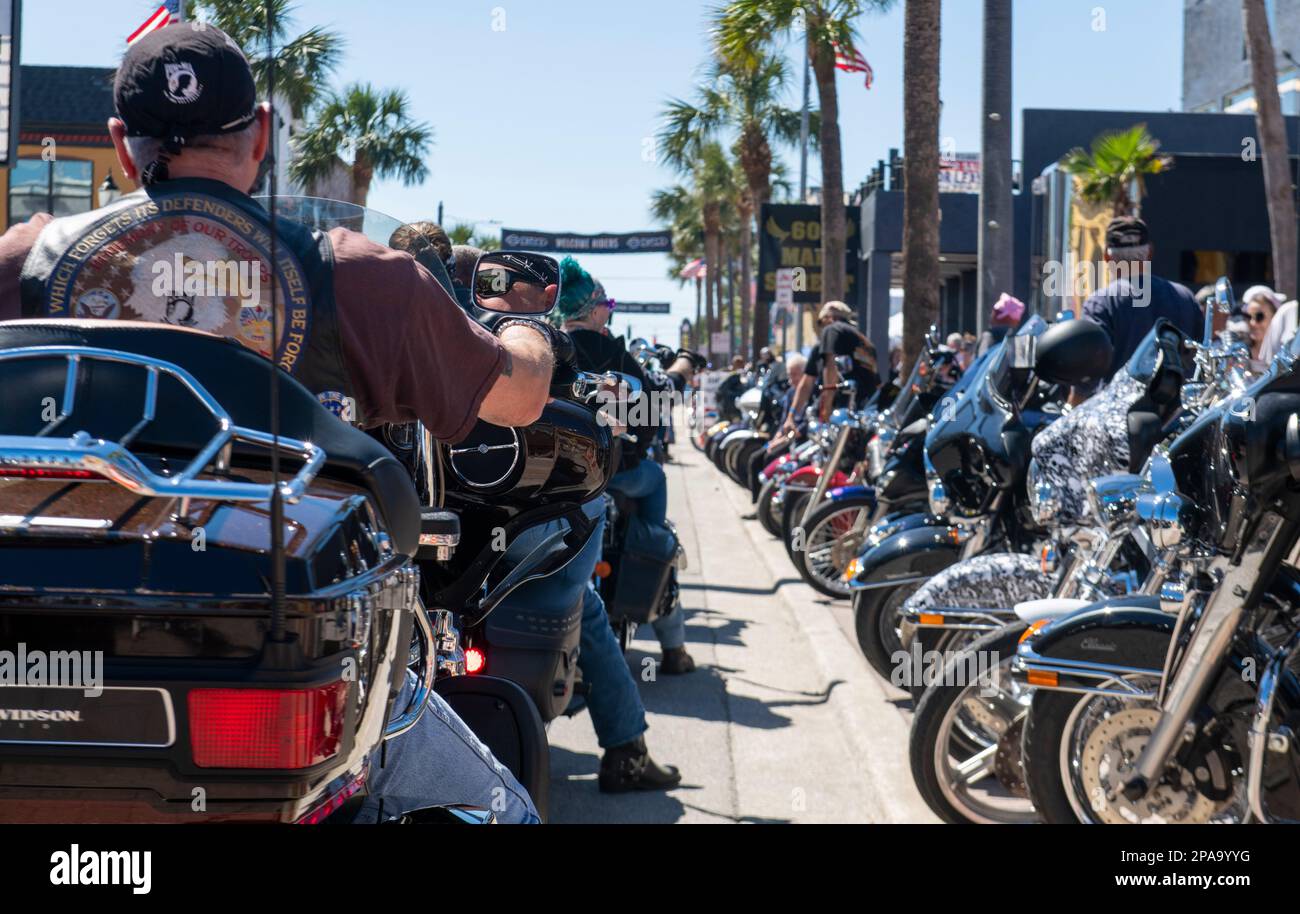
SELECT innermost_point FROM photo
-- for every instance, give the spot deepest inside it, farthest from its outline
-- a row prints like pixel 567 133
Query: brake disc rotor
pixel 1107 761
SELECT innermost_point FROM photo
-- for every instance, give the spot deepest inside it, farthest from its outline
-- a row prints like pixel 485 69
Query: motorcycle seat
pixel 109 402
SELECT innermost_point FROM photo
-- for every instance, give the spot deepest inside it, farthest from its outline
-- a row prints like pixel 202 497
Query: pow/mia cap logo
pixel 183 86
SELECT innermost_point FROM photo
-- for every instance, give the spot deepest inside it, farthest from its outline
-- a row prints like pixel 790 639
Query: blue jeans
pixel 440 762
pixel 617 714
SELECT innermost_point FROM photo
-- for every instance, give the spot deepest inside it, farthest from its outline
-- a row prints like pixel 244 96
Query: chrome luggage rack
pixel 113 461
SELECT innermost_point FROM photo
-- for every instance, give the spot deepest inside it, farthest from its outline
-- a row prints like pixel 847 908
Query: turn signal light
pixel 1033 629
pixel 266 728
pixel 1041 678
pixel 475 660
pixel 604 569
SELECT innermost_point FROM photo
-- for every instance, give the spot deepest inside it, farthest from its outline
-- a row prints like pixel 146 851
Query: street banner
pixel 571 243
pixel 643 307
pixel 686 341
pixel 720 342
pixel 791 239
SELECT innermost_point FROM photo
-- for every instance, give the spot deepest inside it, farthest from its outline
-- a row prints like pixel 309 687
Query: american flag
pixel 852 61
pixel 166 14
pixel 696 269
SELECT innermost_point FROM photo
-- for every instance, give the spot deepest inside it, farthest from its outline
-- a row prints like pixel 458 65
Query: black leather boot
pixel 629 767
pixel 676 662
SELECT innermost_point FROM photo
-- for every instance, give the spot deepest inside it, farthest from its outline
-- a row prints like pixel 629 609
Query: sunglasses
pixel 1257 317
pixel 493 283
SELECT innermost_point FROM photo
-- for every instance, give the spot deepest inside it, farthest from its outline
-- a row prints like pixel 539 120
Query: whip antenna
pixel 276 634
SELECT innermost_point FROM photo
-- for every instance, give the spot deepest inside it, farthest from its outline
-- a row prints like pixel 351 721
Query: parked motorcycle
pixel 976 457
pixel 1184 712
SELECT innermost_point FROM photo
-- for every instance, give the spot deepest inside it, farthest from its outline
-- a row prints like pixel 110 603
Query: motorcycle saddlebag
pixel 641 572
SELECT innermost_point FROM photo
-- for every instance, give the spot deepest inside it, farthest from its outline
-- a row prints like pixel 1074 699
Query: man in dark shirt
pixel 840 338
pixel 1136 298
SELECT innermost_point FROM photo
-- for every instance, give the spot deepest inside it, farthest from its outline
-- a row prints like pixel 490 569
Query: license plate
pixel 65 716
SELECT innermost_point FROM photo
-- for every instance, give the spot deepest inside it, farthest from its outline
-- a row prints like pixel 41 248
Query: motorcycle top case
pixel 642 570
pixel 168 602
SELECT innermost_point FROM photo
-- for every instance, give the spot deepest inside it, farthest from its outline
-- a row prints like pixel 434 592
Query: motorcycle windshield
pixel 325 214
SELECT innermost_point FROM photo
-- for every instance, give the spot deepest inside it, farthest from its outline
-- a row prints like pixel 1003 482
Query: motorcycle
pixel 263 678
pixel 1188 717
pixel 972 724
pixel 889 479
pixel 976 457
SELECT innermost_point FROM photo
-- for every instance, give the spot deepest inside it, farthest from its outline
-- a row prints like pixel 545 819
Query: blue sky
pixel 581 83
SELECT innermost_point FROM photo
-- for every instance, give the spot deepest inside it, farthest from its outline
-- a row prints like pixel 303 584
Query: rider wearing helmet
pixel 358 321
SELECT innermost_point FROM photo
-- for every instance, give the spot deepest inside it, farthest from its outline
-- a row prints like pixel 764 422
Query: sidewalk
pixel 783 721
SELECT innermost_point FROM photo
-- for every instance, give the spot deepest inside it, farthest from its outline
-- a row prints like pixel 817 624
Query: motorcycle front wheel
pixel 876 616
pixel 965 741
pixel 1080 750
pixel 766 510
pixel 833 536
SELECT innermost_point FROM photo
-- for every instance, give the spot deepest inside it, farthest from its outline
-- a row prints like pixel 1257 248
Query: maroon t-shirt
pixel 410 350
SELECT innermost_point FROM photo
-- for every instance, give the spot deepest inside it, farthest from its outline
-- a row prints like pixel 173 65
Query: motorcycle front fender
pixel 914 554
pixel 846 493
pixel 1095 648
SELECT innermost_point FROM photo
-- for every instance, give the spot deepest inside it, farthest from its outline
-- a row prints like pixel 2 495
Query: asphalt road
pixel 782 722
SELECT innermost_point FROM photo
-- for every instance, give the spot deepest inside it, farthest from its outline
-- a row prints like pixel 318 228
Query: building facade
pixel 1216 67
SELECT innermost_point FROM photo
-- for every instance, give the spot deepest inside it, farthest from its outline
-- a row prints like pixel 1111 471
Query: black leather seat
pixel 110 398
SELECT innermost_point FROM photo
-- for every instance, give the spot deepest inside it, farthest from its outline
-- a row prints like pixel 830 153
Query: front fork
pixel 1184 688
pixel 824 479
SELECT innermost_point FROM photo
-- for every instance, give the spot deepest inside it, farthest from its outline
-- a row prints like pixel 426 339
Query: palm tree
pixel 371 128
pixel 744 29
pixel 678 207
pixel 921 183
pixel 468 233
pixel 1117 163
pixel 741 98
pixel 1273 146
pixel 301 65
pixel 710 192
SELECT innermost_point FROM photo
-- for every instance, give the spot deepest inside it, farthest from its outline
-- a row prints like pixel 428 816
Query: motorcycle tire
pixel 766 510
pixel 935 731
pixel 874 612
pixel 836 519
pixel 791 512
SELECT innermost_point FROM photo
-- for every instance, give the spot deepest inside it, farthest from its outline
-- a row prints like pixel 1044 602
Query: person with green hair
pixel 617 713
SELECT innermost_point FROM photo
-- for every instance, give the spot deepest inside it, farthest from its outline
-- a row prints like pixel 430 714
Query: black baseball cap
pixel 185 80
pixel 1126 232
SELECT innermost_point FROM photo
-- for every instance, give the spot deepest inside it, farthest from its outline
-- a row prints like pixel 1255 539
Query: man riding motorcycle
pixel 584 318
pixel 358 322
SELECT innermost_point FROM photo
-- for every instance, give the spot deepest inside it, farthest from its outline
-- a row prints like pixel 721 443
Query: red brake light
pixel 475 660
pixel 46 473
pixel 266 728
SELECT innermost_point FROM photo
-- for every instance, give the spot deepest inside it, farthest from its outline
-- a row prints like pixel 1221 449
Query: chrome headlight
pixel 1158 504
pixel 1113 499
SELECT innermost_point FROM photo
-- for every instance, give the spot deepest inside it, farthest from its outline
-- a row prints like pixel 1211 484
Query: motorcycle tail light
pixel 475 660
pixel 604 570
pixel 266 728
pixel 46 473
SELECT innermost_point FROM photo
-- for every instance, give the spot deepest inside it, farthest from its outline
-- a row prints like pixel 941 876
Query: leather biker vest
pixel 196 253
